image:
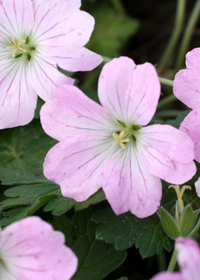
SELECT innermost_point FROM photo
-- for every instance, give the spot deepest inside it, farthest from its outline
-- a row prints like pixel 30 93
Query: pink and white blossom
pixel 188 260
pixel 31 249
pixel 187 89
pixel 35 37
pixel 106 146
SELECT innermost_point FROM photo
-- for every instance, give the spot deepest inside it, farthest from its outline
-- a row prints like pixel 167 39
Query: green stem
pixel 180 14
pixel 187 35
pixel 168 113
pixel 166 82
pixel 167 100
pixel 172 261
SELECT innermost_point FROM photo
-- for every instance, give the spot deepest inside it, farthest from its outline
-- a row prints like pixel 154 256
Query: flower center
pixel 16 47
pixel 120 139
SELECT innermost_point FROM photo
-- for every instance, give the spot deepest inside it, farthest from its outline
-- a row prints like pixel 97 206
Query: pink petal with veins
pixel 31 250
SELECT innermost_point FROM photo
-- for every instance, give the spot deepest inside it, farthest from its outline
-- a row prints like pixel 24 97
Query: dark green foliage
pixel 96 258
pixel 127 230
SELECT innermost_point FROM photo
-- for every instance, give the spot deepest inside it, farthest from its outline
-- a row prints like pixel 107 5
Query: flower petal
pixel 76 164
pixel 197 186
pixel 81 60
pixel 193 58
pixel 188 257
pixel 26 248
pixel 44 76
pixel 16 18
pixel 161 162
pixel 191 126
pixel 129 186
pixel 131 92
pixel 169 141
pixel 60 27
pixel 72 113
pixel 18 99
pixel 187 83
pixel 168 276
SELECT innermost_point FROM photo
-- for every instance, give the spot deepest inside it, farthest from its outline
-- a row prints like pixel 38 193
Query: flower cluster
pixel 106 146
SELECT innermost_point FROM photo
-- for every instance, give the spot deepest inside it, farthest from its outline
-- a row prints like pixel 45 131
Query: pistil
pixel 16 47
pixel 120 139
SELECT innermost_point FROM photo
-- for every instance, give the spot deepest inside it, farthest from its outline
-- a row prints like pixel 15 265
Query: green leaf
pixel 180 118
pixel 29 143
pixel 112 30
pixel 96 258
pixel 32 197
pixel 59 205
pixel 94 199
pixel 126 230
pixel 18 173
pixel 169 224
pixel 186 221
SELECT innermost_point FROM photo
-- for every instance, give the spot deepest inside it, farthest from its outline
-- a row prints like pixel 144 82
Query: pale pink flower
pixel 187 89
pixel 35 37
pixel 31 249
pixel 108 147
pixel 188 260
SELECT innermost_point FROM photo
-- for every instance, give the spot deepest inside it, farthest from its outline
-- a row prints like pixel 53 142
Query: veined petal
pixel 72 113
pixel 17 99
pixel 44 76
pixel 76 164
pixel 60 27
pixel 187 82
pixel 16 18
pixel 161 164
pixel 26 248
pixel 191 126
pixel 168 276
pixel 169 141
pixel 131 92
pixel 129 186
pixel 188 257
pixel 81 60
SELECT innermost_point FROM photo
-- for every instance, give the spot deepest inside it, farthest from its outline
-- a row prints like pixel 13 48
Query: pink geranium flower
pixel 30 249
pixel 188 260
pixel 187 89
pixel 35 37
pixel 108 147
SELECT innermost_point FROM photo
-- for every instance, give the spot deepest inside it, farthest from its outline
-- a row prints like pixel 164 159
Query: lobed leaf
pixel 32 197
pixel 96 258
pixel 127 230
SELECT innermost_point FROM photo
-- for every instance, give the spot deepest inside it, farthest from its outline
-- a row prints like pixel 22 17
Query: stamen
pixel 120 139
pixel 179 193
pixel 16 46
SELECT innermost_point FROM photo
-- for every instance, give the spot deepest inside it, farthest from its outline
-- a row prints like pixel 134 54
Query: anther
pixel 16 47
pixel 120 139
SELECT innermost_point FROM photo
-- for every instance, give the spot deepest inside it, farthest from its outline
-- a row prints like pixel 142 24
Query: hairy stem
pixel 172 261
